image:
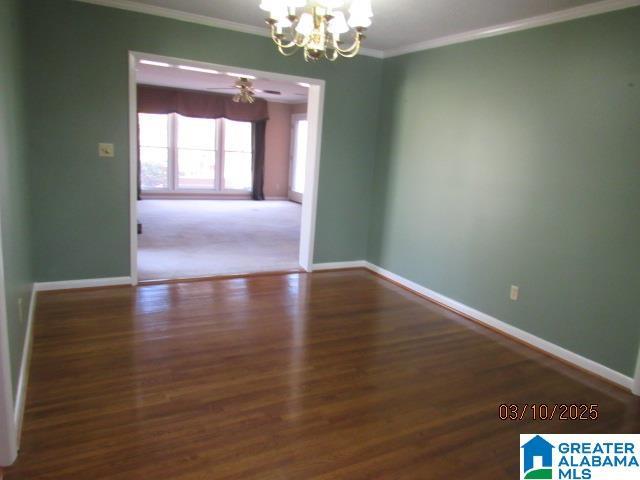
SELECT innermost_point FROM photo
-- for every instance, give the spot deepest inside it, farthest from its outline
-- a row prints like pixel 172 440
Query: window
pixel 194 154
pixel 237 155
pixel 154 151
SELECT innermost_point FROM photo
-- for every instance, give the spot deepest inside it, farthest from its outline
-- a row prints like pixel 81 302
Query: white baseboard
pixel 88 283
pixel 537 342
pixel 23 379
pixel 318 267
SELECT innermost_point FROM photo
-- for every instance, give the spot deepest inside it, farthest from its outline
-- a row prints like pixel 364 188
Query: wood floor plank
pixel 325 376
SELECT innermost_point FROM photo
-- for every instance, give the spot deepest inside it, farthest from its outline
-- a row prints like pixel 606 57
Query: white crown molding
pixel 200 19
pixel 596 8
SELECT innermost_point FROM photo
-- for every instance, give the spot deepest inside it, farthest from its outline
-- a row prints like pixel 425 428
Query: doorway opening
pixel 221 185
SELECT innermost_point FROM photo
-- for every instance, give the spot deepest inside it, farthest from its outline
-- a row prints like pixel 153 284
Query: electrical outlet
pixel 515 292
pixel 21 309
pixel 106 150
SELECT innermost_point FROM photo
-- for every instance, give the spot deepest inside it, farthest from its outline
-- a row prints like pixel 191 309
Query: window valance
pixel 198 104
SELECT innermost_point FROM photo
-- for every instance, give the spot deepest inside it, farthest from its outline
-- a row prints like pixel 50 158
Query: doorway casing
pixel 315 109
pixel 8 427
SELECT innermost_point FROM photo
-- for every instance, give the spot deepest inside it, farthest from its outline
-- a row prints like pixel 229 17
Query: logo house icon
pixel 539 448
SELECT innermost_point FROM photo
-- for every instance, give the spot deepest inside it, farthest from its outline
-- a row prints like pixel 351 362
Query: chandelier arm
pixel 353 48
pixel 282 44
pixel 352 53
pixel 334 55
pixel 278 39
pixel 288 51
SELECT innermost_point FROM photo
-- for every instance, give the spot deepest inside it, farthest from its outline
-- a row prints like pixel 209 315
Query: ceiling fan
pixel 246 93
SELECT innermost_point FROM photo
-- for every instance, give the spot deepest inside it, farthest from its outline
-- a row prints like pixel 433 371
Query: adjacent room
pixel 222 170
pixel 319 239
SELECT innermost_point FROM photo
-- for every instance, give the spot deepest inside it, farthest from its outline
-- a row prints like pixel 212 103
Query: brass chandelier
pixel 318 28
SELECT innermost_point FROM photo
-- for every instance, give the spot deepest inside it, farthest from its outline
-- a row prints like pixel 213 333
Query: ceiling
pixel 218 83
pixel 397 24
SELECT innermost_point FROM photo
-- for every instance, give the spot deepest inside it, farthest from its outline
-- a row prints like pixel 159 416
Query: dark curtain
pixel 259 139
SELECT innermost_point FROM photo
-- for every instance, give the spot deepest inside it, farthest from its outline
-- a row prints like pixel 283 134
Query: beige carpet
pixel 193 238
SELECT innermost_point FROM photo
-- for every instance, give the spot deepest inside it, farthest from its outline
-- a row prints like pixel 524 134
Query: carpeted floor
pixel 193 238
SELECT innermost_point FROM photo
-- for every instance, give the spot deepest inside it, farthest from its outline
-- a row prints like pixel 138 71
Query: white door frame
pixel 315 110
pixel 8 430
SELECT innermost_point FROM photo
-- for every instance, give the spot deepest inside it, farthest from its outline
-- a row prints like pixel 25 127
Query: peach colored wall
pixel 277 150
pixel 299 108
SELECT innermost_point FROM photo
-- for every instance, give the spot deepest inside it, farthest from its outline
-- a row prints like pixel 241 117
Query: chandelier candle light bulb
pixel 316 27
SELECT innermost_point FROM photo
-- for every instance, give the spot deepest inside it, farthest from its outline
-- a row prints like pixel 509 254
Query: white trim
pixel 524 24
pixel 8 437
pixel 88 283
pixel 314 115
pixel 319 267
pixel 199 19
pixel 133 170
pixel 635 389
pixel 194 196
pixel 23 380
pixel 537 342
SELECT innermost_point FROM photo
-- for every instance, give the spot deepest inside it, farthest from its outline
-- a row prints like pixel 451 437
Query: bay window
pixel 179 154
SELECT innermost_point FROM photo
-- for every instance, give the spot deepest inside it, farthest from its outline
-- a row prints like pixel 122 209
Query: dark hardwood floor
pixel 335 375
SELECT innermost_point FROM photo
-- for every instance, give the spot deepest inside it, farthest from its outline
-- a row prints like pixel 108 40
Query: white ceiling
pixel 397 24
pixel 222 83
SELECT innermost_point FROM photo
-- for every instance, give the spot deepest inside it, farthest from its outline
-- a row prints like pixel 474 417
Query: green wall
pixel 14 211
pixel 516 160
pixel 78 96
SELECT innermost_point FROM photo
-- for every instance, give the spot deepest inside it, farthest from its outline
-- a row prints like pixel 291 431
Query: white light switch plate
pixel 105 149
pixel 514 294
